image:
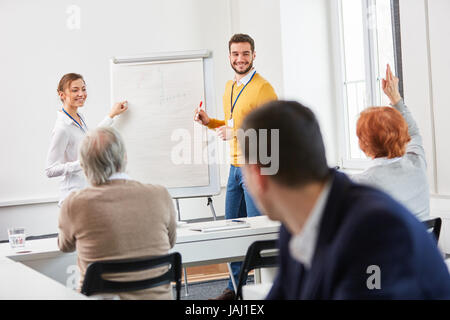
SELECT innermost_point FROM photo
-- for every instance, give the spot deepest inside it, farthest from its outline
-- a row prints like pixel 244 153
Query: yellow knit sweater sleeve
pixel 266 94
pixel 215 123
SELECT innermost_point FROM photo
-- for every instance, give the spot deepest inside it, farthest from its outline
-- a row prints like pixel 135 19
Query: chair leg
pixel 178 289
pixel 230 271
pixel 185 282
pixel 257 275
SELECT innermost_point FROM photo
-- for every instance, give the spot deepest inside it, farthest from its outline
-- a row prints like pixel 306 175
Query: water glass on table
pixel 16 237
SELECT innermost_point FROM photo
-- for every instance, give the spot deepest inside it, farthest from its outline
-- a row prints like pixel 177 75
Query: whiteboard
pixel 164 145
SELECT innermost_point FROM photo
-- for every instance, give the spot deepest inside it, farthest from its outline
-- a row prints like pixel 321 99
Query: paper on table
pixel 221 226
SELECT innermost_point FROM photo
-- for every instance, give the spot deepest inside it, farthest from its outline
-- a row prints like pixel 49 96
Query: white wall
pixel 261 20
pixel 425 29
pixel 439 48
pixel 39 43
pixel 416 75
pixel 308 71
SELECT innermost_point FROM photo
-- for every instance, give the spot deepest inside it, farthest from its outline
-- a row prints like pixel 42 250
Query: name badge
pixel 231 123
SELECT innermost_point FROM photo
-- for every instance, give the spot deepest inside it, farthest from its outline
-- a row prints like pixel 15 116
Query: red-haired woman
pixel 390 137
pixel 69 130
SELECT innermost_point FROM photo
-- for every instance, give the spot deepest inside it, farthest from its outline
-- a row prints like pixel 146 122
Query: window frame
pixel 345 160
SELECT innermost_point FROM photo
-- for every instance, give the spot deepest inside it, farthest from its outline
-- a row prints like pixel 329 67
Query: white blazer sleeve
pixel 107 122
pixel 55 158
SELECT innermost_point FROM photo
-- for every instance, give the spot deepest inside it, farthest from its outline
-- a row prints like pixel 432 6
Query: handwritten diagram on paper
pixel 164 145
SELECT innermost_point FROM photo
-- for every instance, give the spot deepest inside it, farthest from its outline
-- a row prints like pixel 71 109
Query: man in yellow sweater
pixel 246 92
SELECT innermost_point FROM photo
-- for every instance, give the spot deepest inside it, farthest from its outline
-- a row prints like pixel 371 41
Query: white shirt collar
pixel 245 79
pixel 119 176
pixel 64 118
pixel 383 161
pixel 303 245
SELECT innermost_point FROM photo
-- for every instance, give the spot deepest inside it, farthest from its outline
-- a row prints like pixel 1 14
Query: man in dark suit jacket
pixel 338 240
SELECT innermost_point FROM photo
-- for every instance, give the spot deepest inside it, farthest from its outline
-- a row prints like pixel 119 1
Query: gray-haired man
pixel 116 217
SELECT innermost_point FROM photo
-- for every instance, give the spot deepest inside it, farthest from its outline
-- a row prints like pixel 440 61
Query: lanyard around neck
pixel 81 127
pixel 232 88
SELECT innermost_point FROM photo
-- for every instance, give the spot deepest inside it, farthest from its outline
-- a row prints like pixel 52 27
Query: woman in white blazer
pixel 70 128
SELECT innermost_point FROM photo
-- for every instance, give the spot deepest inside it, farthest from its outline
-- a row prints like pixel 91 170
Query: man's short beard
pixel 250 66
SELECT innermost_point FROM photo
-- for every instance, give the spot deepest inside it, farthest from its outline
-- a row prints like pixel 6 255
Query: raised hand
pixel 390 86
pixel 201 116
pixel 118 108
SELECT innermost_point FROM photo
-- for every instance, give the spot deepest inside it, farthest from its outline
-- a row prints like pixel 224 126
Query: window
pixel 368 42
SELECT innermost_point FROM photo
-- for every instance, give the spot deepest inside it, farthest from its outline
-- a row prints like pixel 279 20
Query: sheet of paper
pixel 164 145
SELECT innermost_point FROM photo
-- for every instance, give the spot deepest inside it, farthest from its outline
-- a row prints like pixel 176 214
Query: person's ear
pixel 254 55
pixel 62 95
pixel 259 179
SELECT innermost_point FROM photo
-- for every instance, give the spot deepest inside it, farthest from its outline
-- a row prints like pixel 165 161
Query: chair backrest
pixel 94 283
pixel 254 259
pixel 435 225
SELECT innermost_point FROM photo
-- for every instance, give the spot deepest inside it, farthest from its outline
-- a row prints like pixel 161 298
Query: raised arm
pixel 390 88
pixel 117 108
